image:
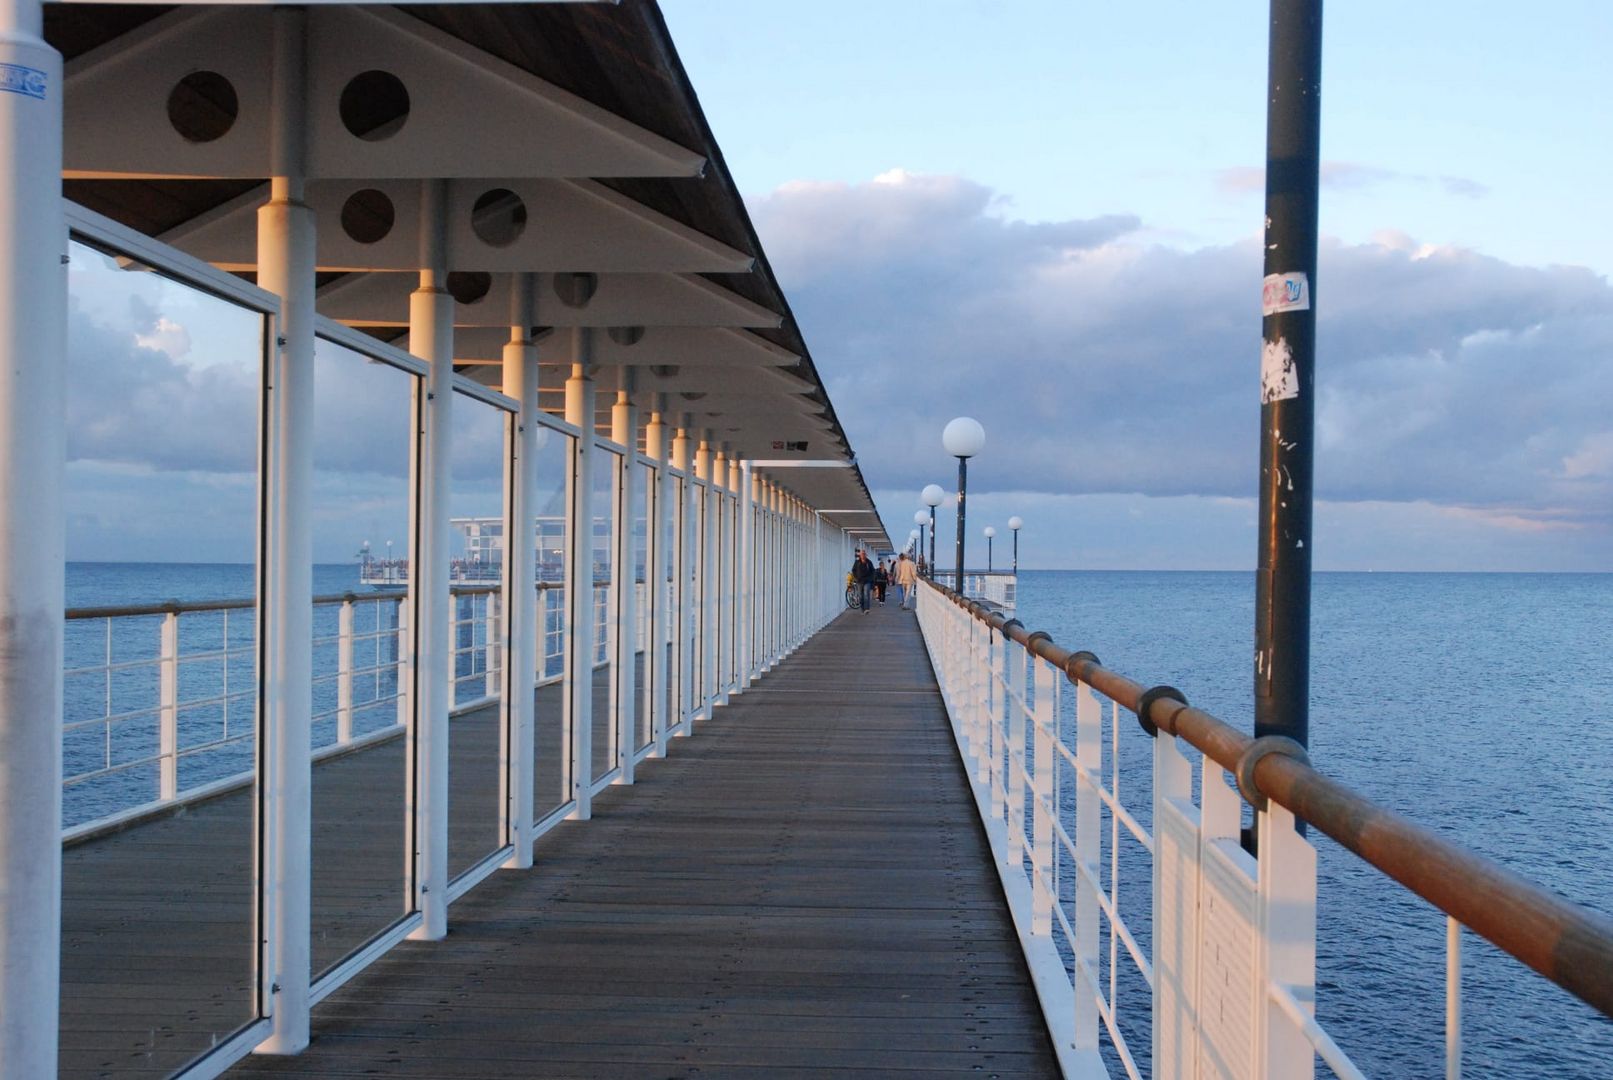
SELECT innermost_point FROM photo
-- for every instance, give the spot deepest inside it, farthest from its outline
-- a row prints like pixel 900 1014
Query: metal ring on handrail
pixel 1010 622
pixel 1076 659
pixel 1034 637
pixel 1244 774
pixel 1146 702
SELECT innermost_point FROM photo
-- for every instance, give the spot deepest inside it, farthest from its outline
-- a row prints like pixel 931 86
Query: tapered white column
pixel 520 587
pixel 580 577
pixel 431 337
pixel 624 572
pixel 746 571
pixel 33 430
pixel 286 264
pixel 705 586
pixel 683 595
pixel 657 447
pixel 722 562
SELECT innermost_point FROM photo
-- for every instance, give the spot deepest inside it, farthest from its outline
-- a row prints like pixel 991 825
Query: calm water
pixel 1477 704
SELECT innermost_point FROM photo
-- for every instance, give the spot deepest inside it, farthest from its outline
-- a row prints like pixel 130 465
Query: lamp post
pixel 963 439
pixel 932 496
pixel 920 518
pixel 1015 523
pixel 990 532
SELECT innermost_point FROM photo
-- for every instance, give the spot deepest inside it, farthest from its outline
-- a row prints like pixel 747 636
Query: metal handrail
pixel 180 607
pixel 1568 944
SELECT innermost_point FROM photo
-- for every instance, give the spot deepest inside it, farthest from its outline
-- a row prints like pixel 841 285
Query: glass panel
pixel 646 597
pixel 363 434
pixel 162 483
pixel 476 544
pixel 607 468
pixel 697 600
pixel 551 787
pixel 677 613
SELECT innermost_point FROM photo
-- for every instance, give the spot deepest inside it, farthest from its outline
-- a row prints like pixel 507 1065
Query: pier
pixel 633 793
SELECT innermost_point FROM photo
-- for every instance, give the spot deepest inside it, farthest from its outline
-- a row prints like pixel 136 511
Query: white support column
pixel 704 578
pixel 521 595
pixel 737 562
pixel 286 244
pixel 1089 851
pixel 431 337
pixel 721 563
pixel 655 575
pixel 748 567
pixel 579 646
pixel 33 434
pixel 682 614
pixel 624 429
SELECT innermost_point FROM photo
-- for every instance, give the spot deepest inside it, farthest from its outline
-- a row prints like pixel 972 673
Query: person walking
pixel 882 579
pixel 907 580
pixel 862 575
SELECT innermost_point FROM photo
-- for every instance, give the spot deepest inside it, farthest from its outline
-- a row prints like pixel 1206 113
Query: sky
pixel 1047 216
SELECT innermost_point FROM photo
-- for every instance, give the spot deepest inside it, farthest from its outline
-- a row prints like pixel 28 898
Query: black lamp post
pixel 932 497
pixel 990 532
pixel 1015 523
pixel 963 439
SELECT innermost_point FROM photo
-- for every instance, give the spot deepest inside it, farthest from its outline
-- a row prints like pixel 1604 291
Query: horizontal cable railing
pixel 1045 779
pixel 161 698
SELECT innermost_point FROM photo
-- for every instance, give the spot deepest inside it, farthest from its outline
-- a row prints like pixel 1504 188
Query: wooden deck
pixel 801 889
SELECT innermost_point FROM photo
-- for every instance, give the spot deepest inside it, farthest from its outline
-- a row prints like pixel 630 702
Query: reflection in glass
pixel 164 396
pixel 363 432
pixel 551 788
pixel 476 566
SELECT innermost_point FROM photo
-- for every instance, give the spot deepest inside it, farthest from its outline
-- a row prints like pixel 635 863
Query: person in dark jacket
pixel 862 575
pixel 882 580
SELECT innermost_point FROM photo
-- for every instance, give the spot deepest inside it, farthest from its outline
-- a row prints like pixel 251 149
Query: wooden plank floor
pixel 799 890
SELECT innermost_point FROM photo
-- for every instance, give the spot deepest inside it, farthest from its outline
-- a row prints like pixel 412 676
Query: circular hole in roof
pixel 374 105
pixel 469 286
pixel 626 335
pixel 368 215
pixel 202 106
pixel 498 217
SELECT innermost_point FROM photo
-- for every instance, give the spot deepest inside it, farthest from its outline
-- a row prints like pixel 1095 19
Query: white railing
pixel 999 588
pixel 1047 779
pixel 1218 972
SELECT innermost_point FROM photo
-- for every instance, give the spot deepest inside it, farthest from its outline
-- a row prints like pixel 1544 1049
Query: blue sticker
pixel 16 79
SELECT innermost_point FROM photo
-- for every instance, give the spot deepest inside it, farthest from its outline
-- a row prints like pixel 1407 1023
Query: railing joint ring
pixel 1146 702
pixel 1010 622
pixel 1034 637
pixel 1076 659
pixel 1244 774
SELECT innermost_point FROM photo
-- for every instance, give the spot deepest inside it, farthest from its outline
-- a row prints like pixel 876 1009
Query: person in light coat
pixel 907 580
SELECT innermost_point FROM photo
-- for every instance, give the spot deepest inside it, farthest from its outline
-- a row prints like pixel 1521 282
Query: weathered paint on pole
pixel 1287 372
pixel 963 485
pixel 33 428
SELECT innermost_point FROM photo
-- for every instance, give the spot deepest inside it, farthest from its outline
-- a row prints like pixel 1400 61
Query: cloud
pixel 1102 364
pixel 1344 176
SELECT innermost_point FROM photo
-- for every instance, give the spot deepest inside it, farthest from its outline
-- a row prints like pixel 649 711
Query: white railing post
pixel 655 575
pixel 403 673
pixel 1042 814
pixel 682 613
pixel 1453 999
pixel 979 677
pixel 344 671
pixel 168 719
pixel 1175 903
pixel 1287 953
pixel 492 652
pixel 1015 715
pixel 1088 852
pixel 523 606
pixel 994 677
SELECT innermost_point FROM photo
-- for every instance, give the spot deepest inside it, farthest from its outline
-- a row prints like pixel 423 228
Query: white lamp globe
pixel 920 518
pixel 1016 523
pixel 964 437
pixel 914 535
pixel 990 532
pixel 932 495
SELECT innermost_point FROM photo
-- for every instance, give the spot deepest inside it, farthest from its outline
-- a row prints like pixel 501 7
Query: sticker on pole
pixel 16 79
pixel 1285 292
pixel 1279 380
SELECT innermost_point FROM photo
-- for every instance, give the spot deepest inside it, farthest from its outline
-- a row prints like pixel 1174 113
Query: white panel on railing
pixel 1228 939
pixel 1176 899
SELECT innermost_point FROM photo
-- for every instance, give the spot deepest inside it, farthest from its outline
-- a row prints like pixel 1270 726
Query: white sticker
pixel 1285 292
pixel 1278 379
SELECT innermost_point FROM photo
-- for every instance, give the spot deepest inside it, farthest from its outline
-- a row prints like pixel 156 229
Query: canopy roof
pixel 572 147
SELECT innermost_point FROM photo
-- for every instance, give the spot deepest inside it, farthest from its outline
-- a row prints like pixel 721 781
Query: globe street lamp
pixel 990 532
pixel 963 439
pixel 920 518
pixel 1016 523
pixel 932 496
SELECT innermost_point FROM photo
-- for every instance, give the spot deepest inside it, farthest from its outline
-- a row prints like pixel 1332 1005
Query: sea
pixel 1479 705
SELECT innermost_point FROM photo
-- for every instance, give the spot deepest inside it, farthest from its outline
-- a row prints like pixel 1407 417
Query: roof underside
pixel 627 213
